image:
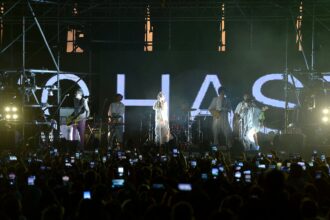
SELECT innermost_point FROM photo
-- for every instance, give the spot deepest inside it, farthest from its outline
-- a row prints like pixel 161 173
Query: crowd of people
pixel 106 184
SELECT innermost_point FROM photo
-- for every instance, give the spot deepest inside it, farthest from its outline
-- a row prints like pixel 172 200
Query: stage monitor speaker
pixel 292 143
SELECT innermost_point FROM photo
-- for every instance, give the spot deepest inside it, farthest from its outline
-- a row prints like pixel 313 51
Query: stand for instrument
pixel 151 136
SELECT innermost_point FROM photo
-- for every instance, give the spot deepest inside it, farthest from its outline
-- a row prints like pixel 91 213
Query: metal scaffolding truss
pixel 27 78
pixel 90 11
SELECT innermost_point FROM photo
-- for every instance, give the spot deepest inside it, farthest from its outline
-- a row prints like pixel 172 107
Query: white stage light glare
pixel 7 109
pixel 8 116
pixel 15 116
pixel 325 111
pixel 325 119
pixel 14 109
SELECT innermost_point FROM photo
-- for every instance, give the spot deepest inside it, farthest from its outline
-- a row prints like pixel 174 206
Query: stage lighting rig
pixel 11 113
pixel 325 111
pixel 325 117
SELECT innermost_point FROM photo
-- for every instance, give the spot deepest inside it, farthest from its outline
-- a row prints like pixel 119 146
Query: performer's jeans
pixel 115 132
pixel 80 128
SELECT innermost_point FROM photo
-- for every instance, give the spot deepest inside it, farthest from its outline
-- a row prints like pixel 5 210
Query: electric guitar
pixel 74 120
pixel 217 113
pixel 115 120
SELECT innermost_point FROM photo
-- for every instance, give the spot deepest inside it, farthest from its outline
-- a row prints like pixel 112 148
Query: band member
pixel 79 116
pixel 219 108
pixel 162 129
pixel 250 119
pixel 116 118
pixel 241 114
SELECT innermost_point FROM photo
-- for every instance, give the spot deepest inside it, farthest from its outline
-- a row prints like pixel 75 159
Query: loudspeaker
pixel 289 142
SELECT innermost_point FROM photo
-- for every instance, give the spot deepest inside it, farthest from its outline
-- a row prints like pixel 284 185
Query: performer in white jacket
pixel 162 129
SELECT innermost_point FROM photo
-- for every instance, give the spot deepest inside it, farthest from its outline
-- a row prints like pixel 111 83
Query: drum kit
pixel 184 128
pixel 187 129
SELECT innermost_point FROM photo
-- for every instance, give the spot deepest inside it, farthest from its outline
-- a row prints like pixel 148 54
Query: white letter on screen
pixel 258 84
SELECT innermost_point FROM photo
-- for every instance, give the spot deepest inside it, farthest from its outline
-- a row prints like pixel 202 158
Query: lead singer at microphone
pixel 162 129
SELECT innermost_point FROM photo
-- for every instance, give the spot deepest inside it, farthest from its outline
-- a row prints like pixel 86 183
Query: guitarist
pixel 219 108
pixel 116 118
pixel 78 117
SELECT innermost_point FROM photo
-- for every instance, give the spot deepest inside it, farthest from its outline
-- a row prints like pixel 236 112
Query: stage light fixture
pixel 325 119
pixel 11 112
pixel 325 111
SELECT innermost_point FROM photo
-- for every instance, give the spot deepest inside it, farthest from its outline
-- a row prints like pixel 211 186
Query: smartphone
pixel 262 166
pixel 318 174
pixel 77 155
pixel 240 164
pixel 193 163
pixel 65 179
pixel 121 171
pixel 96 151
pixel 186 187
pixel 12 158
pixel 175 152
pixel 322 157
pixel 302 164
pixel 104 159
pixel 279 164
pixel 72 160
pixel 238 176
pixel 158 186
pixel 247 176
pixel 215 172
pixel 118 183
pixel 92 164
pixel 163 158
pixel 204 176
pixel 87 195
pixel 12 178
pixel 221 169
pixel 269 156
pixel 30 180
pixel 214 148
